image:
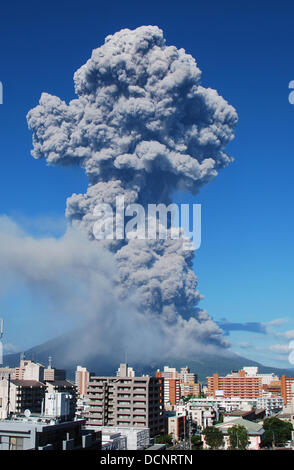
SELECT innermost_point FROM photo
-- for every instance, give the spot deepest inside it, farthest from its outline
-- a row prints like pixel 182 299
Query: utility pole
pixel 8 397
pixel 190 431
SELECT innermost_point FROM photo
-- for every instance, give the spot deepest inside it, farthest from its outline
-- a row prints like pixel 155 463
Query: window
pixel 16 443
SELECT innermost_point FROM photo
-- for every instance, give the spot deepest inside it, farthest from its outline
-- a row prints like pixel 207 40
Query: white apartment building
pixel 202 415
pixel 113 441
pixel 270 404
pixel 205 411
pixel 136 438
pixel 224 404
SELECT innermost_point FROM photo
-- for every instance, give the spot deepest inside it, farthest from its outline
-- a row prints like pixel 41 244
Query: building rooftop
pixel 252 428
pixel 39 422
pixel 61 383
pixel 244 413
pixel 241 413
pixel 27 383
pixel 157 447
pixel 283 415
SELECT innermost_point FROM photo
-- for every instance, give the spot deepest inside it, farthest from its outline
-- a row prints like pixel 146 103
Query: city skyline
pixel 131 411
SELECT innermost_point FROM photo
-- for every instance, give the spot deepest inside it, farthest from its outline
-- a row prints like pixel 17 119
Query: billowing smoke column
pixel 141 127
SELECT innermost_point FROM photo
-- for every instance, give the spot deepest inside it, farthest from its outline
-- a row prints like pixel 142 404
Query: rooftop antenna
pixel 1 336
pixel 1 327
pixel 50 362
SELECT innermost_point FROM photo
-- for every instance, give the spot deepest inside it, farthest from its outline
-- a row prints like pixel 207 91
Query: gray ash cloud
pixel 141 127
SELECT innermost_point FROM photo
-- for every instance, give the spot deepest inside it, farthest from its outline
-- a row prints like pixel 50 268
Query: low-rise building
pixel 18 395
pixel 113 441
pixel 252 415
pixel 176 425
pixel 271 403
pixel 255 433
pixel 67 387
pixel 136 438
pixel 201 414
pixel 37 433
pixel 5 372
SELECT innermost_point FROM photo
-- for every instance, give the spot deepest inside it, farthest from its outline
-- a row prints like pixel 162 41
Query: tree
pixel 220 419
pixel 213 437
pixel 165 439
pixel 188 397
pixel 196 442
pixel 277 432
pixel 238 435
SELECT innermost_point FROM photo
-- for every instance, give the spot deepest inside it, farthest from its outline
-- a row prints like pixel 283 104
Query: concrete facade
pixel 36 433
pixel 136 439
pixel 126 401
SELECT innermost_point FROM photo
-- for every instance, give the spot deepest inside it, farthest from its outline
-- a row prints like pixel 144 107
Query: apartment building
pixel 287 389
pixel 82 377
pixel 64 386
pixel 172 387
pixel 265 378
pixel 29 370
pixel 125 371
pixel 5 372
pixel 190 389
pixel 202 414
pixel 51 374
pixel 172 391
pixel 272 388
pixel 126 401
pixel 35 433
pixel 124 438
pixel 176 425
pixel 187 376
pixel 27 390
pixel 18 395
pixel 237 384
pixel 178 384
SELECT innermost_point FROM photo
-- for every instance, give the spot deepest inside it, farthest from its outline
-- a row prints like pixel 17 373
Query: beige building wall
pixel 4 398
pixel 126 401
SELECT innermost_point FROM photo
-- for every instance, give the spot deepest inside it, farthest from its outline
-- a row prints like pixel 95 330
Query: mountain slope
pixel 203 364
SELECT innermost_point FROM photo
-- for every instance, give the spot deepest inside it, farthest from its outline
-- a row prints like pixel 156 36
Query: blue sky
pixel 245 51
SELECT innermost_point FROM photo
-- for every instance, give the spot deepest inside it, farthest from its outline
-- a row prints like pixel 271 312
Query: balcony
pixel 95 414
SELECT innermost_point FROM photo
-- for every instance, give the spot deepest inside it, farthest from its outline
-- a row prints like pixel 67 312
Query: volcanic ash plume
pixel 141 127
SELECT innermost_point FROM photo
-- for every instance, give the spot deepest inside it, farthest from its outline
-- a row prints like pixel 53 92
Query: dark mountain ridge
pixel 203 364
